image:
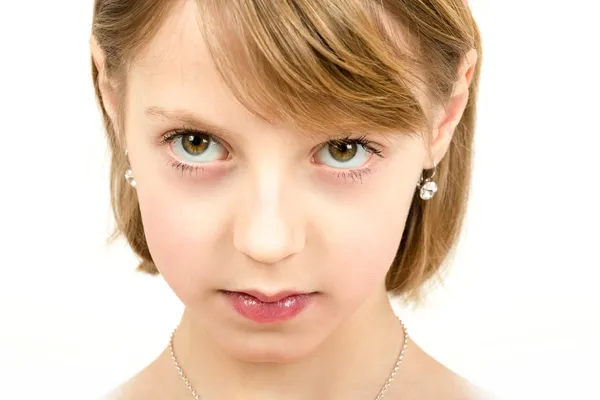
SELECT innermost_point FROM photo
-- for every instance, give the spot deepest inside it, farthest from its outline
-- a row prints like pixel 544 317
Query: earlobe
pixel 106 88
pixel 442 137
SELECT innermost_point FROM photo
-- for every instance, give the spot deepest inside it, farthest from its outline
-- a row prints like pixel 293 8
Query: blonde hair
pixel 320 65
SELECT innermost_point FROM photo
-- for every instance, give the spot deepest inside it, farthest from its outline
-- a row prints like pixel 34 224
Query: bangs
pixel 321 67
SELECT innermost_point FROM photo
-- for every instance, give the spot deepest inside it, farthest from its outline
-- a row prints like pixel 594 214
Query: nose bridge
pixel 268 229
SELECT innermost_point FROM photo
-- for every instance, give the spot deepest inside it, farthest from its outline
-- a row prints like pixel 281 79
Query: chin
pixel 264 347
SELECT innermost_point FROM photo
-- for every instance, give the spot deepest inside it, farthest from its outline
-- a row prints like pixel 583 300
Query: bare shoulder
pixel 427 379
pixel 148 384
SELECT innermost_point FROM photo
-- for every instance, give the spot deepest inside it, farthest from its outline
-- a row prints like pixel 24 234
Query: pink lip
pixel 263 308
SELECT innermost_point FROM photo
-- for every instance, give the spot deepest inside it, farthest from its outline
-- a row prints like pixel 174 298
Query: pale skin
pixel 268 211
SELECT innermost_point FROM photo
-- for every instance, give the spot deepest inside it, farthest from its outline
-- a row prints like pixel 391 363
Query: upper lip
pixel 272 298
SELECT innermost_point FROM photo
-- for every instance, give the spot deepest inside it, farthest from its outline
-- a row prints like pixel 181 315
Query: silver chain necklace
pixel 385 387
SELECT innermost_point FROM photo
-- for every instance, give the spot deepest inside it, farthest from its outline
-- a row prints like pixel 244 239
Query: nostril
pixel 267 249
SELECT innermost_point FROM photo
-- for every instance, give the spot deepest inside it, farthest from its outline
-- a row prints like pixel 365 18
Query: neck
pixel 353 363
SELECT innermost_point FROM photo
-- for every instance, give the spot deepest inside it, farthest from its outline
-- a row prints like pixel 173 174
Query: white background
pixel 520 310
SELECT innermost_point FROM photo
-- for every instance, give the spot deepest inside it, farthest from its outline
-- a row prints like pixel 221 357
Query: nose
pixel 268 227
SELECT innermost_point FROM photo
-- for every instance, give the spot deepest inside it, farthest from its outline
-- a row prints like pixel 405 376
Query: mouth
pixel 268 308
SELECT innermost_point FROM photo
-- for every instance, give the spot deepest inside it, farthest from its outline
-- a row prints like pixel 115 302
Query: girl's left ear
pixel 450 115
pixel 107 91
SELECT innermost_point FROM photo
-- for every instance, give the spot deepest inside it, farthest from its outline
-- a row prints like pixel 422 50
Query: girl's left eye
pixel 196 147
pixel 346 153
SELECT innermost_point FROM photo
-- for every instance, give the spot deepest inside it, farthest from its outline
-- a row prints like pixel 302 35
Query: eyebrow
pixel 195 121
pixel 186 118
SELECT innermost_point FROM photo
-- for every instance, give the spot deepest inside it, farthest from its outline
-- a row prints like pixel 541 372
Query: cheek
pixel 181 236
pixel 363 247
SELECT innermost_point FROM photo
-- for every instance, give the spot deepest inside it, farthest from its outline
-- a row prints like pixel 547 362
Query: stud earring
pixel 129 174
pixel 427 187
pixel 129 178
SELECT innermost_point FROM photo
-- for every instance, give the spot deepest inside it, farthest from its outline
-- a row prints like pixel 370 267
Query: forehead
pixel 312 93
pixel 177 70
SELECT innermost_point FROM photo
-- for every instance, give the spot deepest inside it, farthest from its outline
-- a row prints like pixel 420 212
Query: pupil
pixel 195 144
pixel 342 151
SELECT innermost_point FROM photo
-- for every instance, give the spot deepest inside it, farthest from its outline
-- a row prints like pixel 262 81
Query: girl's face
pixel 233 204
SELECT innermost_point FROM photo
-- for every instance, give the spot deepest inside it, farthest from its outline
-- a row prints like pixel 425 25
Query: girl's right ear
pixel 107 90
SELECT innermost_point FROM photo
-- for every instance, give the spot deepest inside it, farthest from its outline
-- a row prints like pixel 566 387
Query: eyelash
pixel 354 175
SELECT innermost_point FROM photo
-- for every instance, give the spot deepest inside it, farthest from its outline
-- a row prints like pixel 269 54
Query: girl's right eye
pixel 195 147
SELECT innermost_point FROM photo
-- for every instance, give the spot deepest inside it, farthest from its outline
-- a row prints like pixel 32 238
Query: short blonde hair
pixel 321 65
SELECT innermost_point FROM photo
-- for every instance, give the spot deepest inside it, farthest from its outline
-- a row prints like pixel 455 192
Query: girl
pixel 286 166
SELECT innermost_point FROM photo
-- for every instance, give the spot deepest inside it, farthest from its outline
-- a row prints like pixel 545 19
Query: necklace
pixel 385 387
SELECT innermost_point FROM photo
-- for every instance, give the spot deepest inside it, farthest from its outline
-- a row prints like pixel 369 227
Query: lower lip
pixel 265 312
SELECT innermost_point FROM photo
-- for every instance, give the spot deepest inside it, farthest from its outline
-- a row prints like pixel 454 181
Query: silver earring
pixel 129 174
pixel 129 177
pixel 427 187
